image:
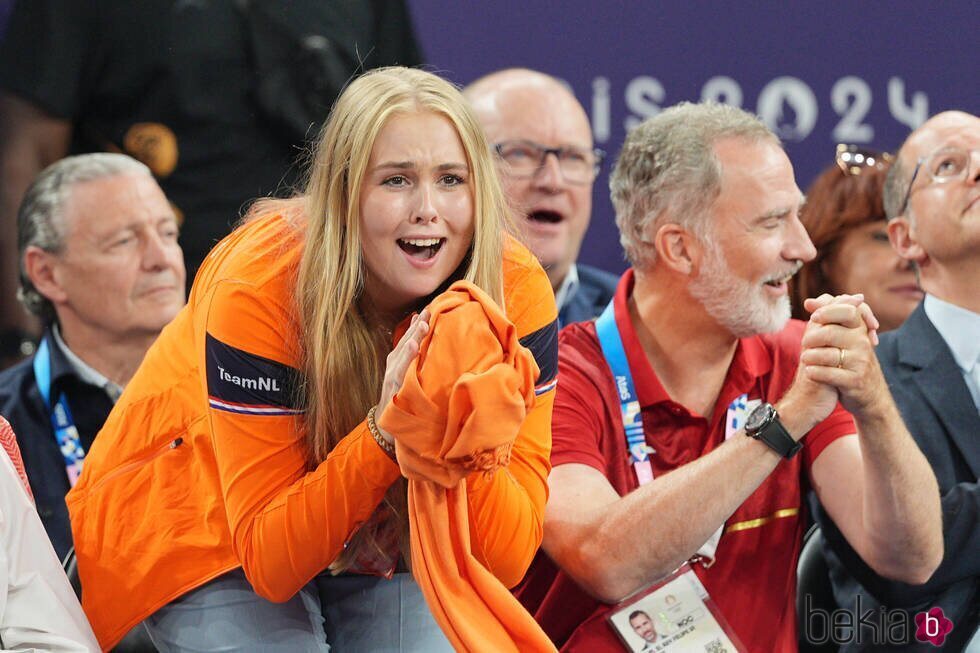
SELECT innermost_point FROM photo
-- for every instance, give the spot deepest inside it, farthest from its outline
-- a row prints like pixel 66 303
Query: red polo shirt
pixel 753 580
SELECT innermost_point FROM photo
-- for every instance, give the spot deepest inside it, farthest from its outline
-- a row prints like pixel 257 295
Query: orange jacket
pixel 462 405
pixel 201 466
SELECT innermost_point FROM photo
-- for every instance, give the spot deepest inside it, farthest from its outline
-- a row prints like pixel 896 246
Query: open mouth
pixel 548 217
pixel 421 248
pixel 779 282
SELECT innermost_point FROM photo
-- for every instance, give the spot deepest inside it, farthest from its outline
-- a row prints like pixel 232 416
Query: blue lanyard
pixel 61 420
pixel 612 348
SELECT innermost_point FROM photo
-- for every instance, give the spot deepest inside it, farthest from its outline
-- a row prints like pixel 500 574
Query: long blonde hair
pixel 343 354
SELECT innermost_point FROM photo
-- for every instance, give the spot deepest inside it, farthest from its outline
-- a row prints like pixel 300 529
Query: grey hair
pixel 667 170
pixel 896 185
pixel 41 217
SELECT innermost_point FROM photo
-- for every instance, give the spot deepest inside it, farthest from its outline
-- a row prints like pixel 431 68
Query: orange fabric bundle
pixel 461 406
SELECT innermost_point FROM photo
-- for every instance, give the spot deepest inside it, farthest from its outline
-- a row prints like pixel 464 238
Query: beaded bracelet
pixel 388 447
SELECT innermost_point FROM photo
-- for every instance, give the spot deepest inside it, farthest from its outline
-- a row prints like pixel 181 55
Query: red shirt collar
pixel 752 360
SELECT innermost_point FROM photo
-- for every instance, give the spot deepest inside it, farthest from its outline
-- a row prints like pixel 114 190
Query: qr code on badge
pixel 715 646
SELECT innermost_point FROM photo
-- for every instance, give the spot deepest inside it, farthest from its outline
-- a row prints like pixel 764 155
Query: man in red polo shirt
pixel 651 462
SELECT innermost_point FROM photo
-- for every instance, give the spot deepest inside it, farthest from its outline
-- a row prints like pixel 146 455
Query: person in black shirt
pixel 218 98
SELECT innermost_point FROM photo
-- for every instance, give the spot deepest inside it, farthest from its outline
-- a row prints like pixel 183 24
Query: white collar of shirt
pixel 568 288
pixel 85 371
pixel 959 327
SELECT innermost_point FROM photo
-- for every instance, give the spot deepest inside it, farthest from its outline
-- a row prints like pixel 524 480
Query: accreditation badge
pixel 673 615
pixel 739 411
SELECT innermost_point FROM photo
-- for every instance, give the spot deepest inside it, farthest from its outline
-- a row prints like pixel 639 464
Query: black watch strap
pixel 763 424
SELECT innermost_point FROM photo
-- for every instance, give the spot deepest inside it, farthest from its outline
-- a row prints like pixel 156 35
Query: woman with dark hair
pixel 845 218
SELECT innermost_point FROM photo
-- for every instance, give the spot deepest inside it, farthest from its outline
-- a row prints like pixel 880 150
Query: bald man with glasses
pixel 548 164
pixel 932 365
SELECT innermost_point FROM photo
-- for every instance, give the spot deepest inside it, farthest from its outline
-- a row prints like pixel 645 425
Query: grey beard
pixel 736 304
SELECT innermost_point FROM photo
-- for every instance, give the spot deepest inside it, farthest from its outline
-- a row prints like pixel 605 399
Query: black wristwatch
pixel 763 424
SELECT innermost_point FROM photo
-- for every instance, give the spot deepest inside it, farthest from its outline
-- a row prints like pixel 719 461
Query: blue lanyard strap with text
pixel 612 348
pixel 61 420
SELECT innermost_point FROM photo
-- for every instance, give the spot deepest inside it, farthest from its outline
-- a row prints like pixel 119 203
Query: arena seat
pixel 813 578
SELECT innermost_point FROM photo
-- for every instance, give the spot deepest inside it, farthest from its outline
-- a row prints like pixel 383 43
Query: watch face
pixel 758 418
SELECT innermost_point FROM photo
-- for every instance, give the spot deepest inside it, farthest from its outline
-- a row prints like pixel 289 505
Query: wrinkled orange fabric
pixel 459 410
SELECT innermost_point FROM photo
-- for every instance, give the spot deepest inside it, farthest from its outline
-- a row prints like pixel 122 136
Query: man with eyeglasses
pixel 932 364
pixel 548 164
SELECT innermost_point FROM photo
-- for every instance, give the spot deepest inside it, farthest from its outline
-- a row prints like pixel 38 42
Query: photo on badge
pixel 676 614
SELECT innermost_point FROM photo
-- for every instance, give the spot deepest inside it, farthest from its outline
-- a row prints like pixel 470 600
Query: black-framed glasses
pixel 854 159
pixel 526 158
pixel 944 165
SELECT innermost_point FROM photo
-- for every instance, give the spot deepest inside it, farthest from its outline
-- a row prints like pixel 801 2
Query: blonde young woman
pixel 238 495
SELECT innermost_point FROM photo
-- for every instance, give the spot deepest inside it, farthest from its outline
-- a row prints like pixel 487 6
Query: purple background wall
pixel 820 73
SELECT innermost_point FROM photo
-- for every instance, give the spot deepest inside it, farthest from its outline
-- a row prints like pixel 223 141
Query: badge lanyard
pixel 611 343
pixel 61 420
pixel 629 404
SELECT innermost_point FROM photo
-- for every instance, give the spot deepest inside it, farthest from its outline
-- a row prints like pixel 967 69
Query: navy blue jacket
pixel 596 289
pixel 940 414
pixel 22 405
